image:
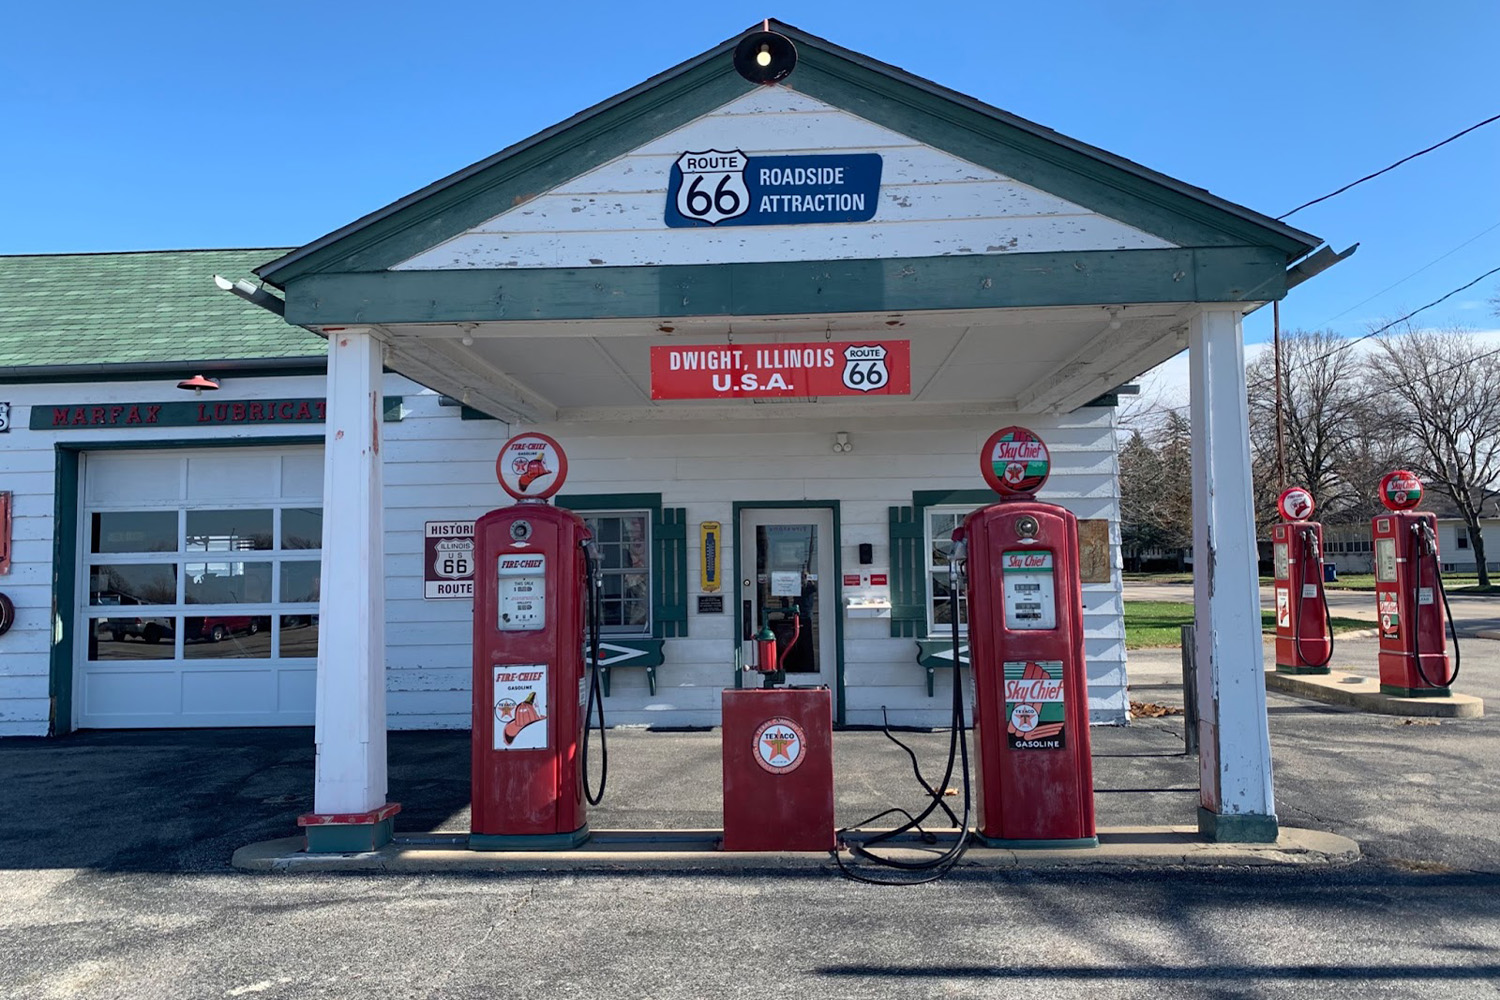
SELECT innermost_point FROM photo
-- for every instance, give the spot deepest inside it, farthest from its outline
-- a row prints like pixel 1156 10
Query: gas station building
pixel 771 325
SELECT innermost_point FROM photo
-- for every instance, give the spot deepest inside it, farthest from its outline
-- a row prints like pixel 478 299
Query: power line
pixel 1377 332
pixel 1404 280
pixel 1393 166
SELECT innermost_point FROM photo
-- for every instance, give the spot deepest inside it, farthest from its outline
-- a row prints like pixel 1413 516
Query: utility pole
pixel 1280 420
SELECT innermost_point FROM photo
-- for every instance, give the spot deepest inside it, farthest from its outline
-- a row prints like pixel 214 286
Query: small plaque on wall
pixel 1093 551
pixel 710 604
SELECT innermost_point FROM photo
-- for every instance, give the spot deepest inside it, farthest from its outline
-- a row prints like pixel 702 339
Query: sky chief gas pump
pixel 1408 584
pixel 1025 603
pixel 1304 633
pixel 535 586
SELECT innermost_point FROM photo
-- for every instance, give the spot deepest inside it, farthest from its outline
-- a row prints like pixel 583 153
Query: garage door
pixel 201 604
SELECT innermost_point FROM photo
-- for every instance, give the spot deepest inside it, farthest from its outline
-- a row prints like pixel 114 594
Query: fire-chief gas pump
pixel 535 584
pixel 1304 636
pixel 1031 720
pixel 1408 582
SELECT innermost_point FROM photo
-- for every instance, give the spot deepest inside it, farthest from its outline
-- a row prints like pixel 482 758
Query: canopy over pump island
pixel 769 307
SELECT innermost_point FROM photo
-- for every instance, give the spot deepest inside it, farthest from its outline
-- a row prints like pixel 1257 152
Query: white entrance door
pixel 786 575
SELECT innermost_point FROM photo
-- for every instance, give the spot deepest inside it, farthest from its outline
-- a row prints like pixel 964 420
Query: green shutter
pixel 908 565
pixel 669 572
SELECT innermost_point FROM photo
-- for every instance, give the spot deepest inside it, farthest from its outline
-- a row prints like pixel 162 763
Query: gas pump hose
pixel 595 698
pixel 958 749
pixel 1309 544
pixel 1426 545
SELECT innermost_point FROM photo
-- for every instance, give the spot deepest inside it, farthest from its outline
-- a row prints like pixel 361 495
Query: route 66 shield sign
pixel 713 186
pixel 864 367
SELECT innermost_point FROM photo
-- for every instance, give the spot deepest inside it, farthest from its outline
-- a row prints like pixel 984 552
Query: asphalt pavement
pixel 115 877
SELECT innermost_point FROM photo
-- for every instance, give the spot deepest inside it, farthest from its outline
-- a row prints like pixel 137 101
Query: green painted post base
pixel 349 838
pixel 1283 668
pixel 1237 828
pixel 1035 845
pixel 528 842
pixel 1421 692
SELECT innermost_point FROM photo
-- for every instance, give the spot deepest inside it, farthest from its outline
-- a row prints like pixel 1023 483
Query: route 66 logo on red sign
pixel 864 367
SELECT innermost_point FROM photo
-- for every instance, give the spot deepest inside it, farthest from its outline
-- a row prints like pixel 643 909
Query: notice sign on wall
pixel 448 560
pixel 779 371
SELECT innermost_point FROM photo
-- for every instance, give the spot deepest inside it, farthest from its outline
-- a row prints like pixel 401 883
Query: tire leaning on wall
pixel 7 614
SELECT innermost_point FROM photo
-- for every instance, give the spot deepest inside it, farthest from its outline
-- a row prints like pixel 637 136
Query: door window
pixel 786 586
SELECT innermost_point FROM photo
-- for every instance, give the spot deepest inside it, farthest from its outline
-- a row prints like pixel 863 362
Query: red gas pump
pixel 531 697
pixel 1304 634
pixel 1031 731
pixel 1408 582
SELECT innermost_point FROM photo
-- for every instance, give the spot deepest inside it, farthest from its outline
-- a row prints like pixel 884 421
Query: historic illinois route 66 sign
pixel 864 367
pixel 713 185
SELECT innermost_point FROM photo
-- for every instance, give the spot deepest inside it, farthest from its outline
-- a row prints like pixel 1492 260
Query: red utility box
pixel 778 770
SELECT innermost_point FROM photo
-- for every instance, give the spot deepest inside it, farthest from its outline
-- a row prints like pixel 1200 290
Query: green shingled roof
pixel 147 307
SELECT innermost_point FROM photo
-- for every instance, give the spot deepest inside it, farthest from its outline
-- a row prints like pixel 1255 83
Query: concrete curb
pixel 1363 693
pixel 696 850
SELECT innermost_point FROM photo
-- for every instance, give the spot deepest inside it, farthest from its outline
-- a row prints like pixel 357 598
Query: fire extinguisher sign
pixel 448 560
pixel 520 697
pixel 1035 716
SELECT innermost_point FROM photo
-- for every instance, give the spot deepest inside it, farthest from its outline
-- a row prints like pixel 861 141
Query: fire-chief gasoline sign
pixel 820 368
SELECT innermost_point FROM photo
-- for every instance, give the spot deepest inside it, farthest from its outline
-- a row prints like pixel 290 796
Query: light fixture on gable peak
pixel 765 56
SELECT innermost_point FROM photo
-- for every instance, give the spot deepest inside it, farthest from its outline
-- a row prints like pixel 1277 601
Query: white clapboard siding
pixel 440 467
pixel 706 468
pixel 930 203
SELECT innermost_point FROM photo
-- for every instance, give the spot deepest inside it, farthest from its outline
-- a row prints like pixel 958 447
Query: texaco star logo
pixel 778 745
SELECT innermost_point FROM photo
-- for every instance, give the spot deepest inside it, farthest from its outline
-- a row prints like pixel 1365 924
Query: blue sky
pixel 175 125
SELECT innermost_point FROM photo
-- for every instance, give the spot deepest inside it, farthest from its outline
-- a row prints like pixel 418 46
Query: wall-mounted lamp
pixel 765 57
pixel 841 442
pixel 198 383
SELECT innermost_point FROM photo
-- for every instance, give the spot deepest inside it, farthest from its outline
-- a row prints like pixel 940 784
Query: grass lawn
pixel 1159 623
pixel 1457 583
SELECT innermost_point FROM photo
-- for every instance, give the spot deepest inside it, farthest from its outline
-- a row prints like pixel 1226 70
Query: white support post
pixel 349 795
pixel 1236 798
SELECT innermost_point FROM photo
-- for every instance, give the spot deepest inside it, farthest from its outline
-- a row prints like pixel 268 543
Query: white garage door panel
pixel 111 696
pixel 232 478
pixel 224 568
pixel 228 692
pixel 126 478
pixel 302 475
pixel 297 689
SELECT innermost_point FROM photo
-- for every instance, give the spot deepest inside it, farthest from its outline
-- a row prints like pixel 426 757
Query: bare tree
pixel 1443 396
pixel 1320 392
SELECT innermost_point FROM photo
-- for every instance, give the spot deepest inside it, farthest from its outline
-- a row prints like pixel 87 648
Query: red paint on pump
pixel 1304 639
pixel 533 792
pixel 1413 624
pixel 1035 774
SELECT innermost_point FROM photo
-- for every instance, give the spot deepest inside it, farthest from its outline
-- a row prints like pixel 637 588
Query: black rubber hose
pixel 1420 529
pixel 1308 544
pixel 595 698
pixel 958 745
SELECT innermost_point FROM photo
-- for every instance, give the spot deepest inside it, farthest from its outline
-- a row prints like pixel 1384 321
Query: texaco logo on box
pixel 778 745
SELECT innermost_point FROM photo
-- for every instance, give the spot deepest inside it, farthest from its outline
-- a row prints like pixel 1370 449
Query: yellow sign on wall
pixel 710 556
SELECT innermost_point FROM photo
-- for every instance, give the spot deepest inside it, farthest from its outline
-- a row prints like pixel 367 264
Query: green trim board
pixel 65 529
pixel 66 543
pixel 977 281
pixel 837 595
pixel 350 838
pixel 884 94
